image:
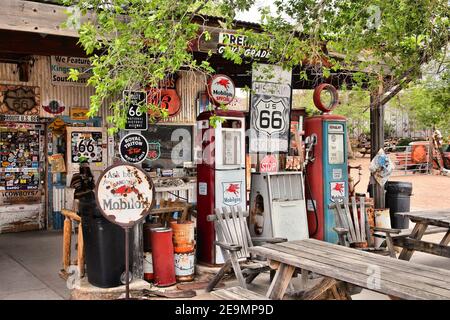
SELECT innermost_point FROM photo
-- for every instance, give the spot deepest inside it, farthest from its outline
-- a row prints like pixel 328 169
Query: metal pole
pixel 377 142
pixel 127 263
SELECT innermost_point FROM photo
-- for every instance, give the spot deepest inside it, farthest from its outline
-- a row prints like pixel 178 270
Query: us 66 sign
pixel 269 124
pixel 136 119
pixel 270 116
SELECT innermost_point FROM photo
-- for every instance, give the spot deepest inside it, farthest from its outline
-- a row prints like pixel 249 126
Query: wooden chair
pixel 354 230
pixel 234 240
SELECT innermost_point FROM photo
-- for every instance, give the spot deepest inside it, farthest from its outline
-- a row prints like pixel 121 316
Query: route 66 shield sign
pixel 271 116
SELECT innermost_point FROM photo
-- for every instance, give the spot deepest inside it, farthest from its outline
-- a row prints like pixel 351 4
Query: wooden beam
pixel 423 246
pixel 29 16
pixel 280 282
pixel 417 234
pixel 26 43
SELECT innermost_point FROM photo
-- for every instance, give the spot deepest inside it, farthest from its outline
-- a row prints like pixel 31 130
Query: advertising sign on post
pixel 136 119
pixel 125 196
pixel 270 109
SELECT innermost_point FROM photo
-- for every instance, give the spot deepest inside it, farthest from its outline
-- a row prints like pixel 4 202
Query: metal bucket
pixel 183 236
pixel 162 253
pixel 185 266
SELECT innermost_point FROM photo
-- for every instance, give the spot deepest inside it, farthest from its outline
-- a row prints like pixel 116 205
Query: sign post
pixel 125 196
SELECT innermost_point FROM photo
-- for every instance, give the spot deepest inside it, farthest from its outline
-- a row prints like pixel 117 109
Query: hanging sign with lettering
pixel 125 194
pixel 60 69
pixel 136 119
pixel 270 109
pixel 236 42
pixel 221 89
pixel 165 97
pixel 133 148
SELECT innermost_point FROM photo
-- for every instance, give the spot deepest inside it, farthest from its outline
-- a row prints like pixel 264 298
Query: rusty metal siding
pixel 69 96
pixel 189 85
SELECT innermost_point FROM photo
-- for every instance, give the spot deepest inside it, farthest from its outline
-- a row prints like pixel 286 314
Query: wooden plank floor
pixel 386 275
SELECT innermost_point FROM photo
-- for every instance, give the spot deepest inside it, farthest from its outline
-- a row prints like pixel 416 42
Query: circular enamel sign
pixel 221 89
pixel 125 194
pixel 133 148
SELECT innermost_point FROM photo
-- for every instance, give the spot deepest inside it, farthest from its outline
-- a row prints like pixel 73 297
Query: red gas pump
pixel 326 171
pixel 220 176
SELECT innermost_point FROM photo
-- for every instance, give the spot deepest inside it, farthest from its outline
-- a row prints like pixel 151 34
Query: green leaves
pixel 134 43
pixel 73 74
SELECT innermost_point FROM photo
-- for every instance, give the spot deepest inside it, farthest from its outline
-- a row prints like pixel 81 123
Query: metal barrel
pixel 163 257
pixel 185 266
pixel 184 250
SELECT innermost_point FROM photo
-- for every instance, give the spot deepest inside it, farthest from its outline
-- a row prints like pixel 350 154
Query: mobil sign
pixel 221 89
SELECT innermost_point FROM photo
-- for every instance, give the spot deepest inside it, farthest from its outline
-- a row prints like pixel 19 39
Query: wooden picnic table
pixel 397 278
pixel 413 242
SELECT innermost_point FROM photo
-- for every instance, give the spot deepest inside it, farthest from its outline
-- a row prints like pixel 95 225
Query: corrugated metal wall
pixel 189 85
pixel 69 96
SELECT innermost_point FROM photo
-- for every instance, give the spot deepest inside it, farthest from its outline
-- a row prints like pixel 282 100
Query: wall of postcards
pixel 20 148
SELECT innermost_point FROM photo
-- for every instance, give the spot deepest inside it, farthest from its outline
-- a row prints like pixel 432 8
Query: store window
pixel 169 146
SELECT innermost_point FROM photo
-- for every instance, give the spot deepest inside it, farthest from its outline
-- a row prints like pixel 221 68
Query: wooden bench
pixel 396 278
pixel 238 293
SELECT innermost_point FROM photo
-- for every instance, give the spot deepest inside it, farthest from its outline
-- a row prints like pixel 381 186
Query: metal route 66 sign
pixel 270 116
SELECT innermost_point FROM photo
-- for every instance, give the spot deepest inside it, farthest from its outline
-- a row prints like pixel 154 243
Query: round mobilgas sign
pixel 133 148
pixel 125 194
pixel 221 89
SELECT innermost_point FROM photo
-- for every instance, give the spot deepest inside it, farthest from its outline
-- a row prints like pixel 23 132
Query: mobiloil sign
pixel 123 194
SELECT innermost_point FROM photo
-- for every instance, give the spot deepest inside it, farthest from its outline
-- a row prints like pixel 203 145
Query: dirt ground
pixel 429 191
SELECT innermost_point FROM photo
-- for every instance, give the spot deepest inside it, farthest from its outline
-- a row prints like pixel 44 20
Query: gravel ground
pixel 429 191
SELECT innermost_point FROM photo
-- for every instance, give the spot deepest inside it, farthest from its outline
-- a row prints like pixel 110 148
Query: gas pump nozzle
pixel 310 142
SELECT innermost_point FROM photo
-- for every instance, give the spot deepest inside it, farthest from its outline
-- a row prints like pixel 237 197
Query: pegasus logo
pixel 224 83
pixel 233 188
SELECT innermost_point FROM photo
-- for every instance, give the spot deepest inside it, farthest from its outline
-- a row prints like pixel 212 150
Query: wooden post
pixel 377 142
pixel 80 250
pixel 281 281
pixel 67 233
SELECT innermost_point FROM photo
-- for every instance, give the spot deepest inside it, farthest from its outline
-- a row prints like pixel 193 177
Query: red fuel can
pixel 163 258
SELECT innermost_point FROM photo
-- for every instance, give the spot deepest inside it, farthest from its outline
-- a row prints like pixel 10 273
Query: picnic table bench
pixel 423 219
pixel 339 264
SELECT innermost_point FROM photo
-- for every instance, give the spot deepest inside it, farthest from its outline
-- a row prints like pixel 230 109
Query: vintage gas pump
pixel 220 176
pixel 326 171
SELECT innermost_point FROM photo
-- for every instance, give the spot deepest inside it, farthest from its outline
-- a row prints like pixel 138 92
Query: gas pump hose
pixel 313 203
